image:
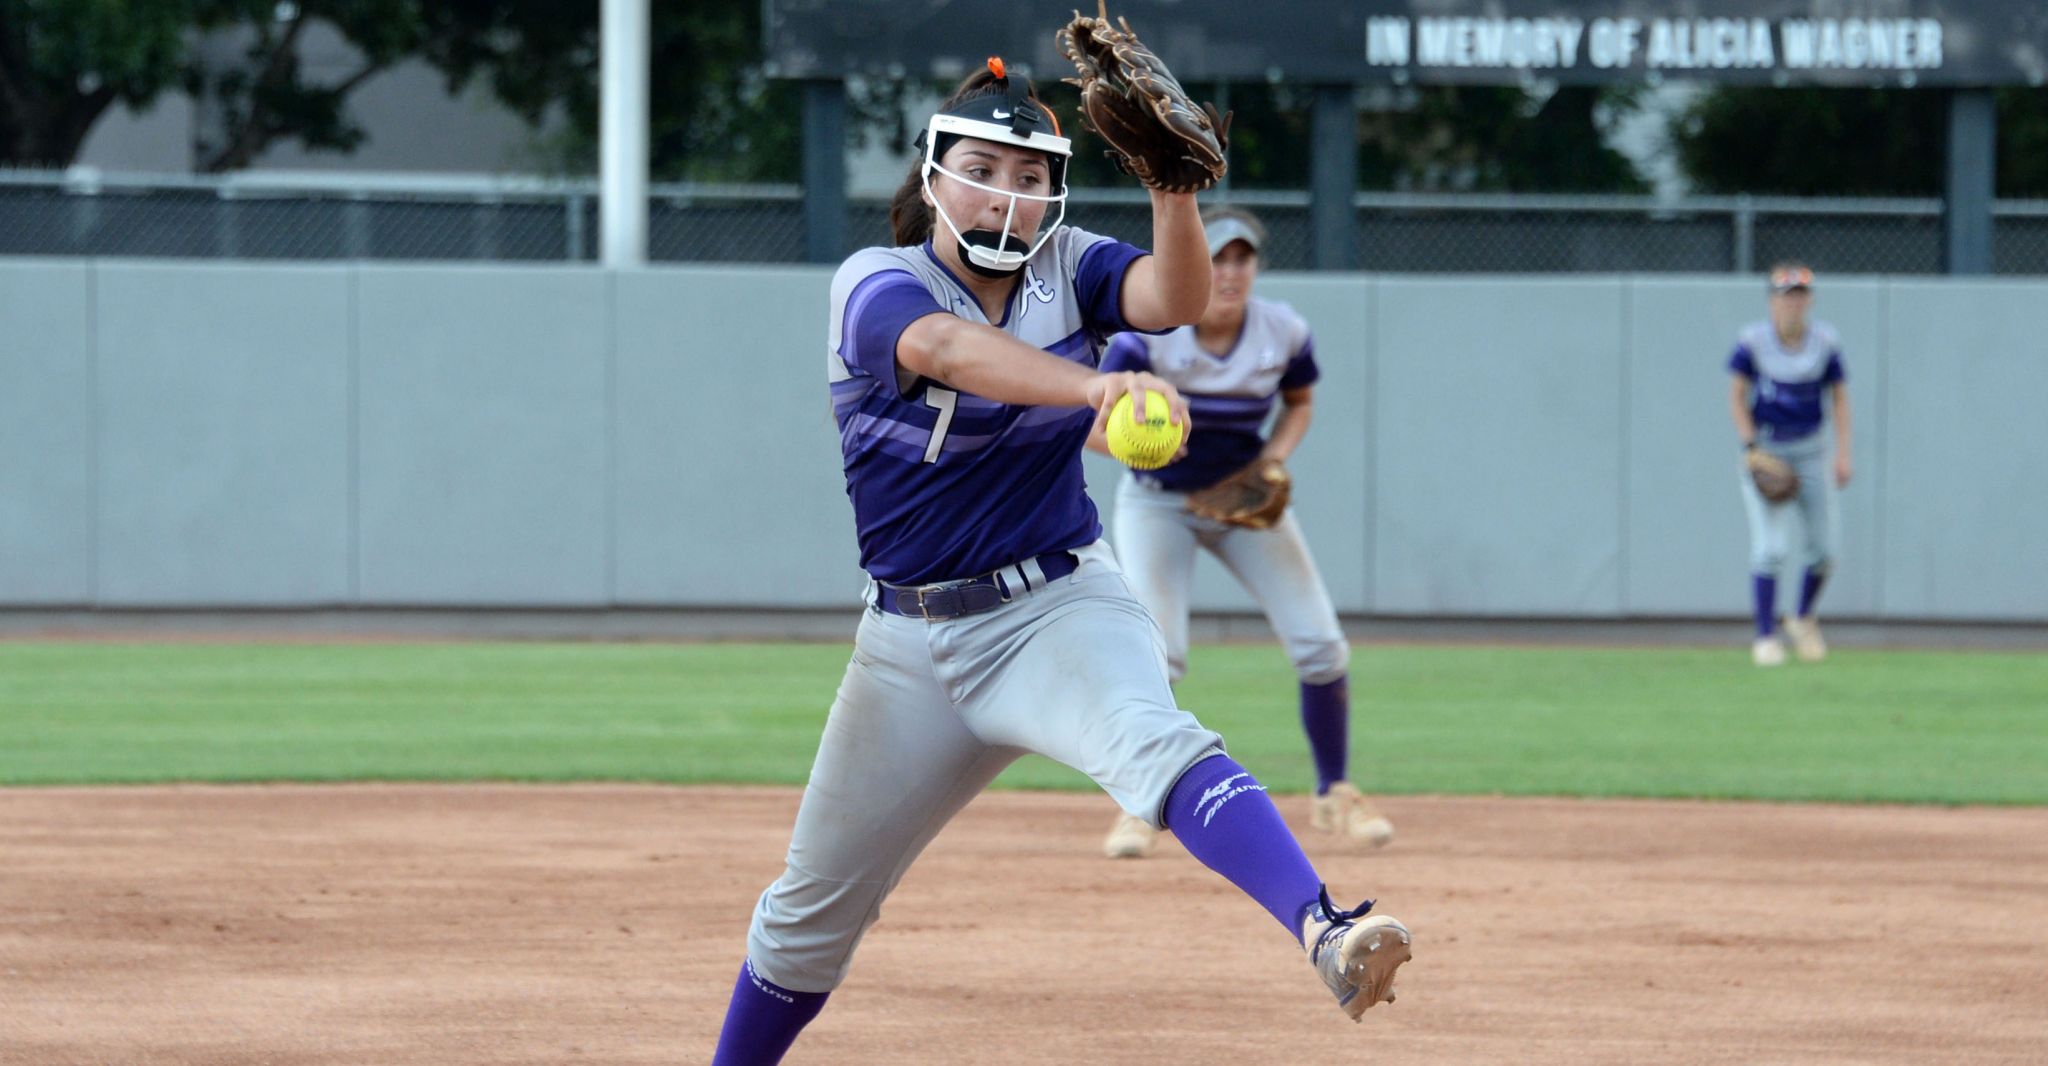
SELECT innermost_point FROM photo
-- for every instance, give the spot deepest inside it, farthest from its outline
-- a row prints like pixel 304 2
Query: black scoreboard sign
pixel 1768 42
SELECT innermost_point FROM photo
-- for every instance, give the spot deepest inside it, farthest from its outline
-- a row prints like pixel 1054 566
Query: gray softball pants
pixel 929 712
pixel 1156 539
pixel 1813 511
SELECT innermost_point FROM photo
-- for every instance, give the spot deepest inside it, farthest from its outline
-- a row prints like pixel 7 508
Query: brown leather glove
pixel 1128 98
pixel 1775 479
pixel 1254 497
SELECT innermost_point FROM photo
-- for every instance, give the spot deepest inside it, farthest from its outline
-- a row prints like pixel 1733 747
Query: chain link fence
pixel 358 217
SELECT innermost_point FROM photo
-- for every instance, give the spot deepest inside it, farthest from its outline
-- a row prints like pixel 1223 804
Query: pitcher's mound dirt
pixel 512 924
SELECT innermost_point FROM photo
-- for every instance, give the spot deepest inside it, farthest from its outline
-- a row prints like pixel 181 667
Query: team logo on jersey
pixel 1037 286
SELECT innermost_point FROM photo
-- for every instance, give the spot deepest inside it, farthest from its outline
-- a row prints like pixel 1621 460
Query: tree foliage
pixel 265 95
pixel 1848 142
pixel 1437 139
pixel 1500 139
pixel 715 112
pixel 63 63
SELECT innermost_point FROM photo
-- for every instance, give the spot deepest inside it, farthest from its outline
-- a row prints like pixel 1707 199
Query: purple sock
pixel 1765 588
pixel 1326 718
pixel 763 1020
pixel 1809 590
pixel 1221 814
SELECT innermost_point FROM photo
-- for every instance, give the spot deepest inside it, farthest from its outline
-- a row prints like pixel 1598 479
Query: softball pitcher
pixel 963 375
pixel 1230 366
pixel 1787 377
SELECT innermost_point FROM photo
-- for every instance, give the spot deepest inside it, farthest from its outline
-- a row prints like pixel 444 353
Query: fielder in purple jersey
pixel 1245 353
pixel 1788 383
pixel 964 374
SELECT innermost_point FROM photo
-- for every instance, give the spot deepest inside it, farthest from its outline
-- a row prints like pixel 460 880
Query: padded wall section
pixel 483 426
pixel 1497 446
pixel 46 432
pixel 223 399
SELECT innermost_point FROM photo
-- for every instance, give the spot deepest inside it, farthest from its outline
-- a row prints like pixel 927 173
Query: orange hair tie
pixel 995 66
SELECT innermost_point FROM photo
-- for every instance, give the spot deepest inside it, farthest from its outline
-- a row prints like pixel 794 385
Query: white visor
pixel 1226 229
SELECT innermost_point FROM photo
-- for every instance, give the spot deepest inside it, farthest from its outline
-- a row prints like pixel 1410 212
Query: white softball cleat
pixel 1767 652
pixel 1356 956
pixel 1129 838
pixel 1806 642
pixel 1344 810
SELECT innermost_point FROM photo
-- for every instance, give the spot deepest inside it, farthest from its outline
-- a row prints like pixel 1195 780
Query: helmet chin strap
pixel 990 240
pixel 986 259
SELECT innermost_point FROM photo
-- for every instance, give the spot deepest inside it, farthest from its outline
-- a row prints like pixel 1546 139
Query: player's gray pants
pixel 929 712
pixel 1770 524
pixel 1156 539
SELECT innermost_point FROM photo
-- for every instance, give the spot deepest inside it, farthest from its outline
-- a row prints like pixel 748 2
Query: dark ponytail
pixel 910 218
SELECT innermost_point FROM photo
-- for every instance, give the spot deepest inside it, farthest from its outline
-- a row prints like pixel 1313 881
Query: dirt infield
pixel 508 924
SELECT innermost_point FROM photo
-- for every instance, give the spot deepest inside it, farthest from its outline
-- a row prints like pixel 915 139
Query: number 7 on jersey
pixel 943 401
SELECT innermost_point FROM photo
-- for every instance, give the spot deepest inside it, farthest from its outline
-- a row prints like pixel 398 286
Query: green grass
pixel 1933 727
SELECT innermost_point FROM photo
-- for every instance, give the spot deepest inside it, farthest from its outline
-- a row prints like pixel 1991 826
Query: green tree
pixel 63 63
pixel 265 96
pixel 714 113
pixel 1848 142
pixel 1500 139
pixel 1440 138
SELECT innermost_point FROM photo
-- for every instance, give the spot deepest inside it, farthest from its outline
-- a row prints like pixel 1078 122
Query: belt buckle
pixel 925 609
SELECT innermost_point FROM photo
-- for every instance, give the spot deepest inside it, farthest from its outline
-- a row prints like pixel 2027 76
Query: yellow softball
pixel 1146 445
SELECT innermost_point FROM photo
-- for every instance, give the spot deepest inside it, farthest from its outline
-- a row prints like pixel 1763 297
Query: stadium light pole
pixel 623 129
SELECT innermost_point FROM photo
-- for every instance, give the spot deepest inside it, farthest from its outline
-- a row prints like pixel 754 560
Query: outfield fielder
pixel 1787 375
pixel 1230 366
pixel 962 368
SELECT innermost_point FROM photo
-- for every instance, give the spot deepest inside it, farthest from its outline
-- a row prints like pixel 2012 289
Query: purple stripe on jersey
pixel 981 421
pixel 1126 352
pixel 1099 282
pixel 877 312
pixel 1785 410
pixel 1302 370
pixel 1213 454
pixel 909 453
pixel 1034 434
pixel 1228 406
pixel 1212 419
pixel 1074 344
pixel 875 427
pixel 1040 415
pixel 1043 424
pixel 848 394
pixel 1228 425
pixel 922 522
pixel 986 422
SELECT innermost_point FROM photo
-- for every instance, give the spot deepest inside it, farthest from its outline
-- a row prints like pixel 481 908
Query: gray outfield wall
pixel 176 434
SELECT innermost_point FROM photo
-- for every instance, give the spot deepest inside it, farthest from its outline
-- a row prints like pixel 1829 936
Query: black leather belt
pixel 952 599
